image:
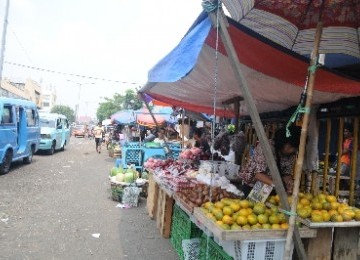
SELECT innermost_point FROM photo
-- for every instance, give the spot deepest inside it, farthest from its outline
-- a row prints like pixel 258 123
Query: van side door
pixel 59 133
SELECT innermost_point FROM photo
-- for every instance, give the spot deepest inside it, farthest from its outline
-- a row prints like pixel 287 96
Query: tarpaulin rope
pixel 211 6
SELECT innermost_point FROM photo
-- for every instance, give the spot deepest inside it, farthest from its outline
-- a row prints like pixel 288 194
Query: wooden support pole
pixel 303 137
pixel 255 117
pixel 354 155
pixel 340 149
pixel 327 151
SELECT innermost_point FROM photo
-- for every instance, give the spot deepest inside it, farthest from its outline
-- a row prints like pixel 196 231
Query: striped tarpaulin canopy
pixel 292 24
pixel 275 74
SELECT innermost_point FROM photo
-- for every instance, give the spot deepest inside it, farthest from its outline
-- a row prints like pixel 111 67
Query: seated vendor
pixel 161 137
pixel 284 150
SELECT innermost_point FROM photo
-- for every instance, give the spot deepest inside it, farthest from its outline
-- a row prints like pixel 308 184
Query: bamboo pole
pixel 303 137
pixel 340 150
pixel 354 154
pixel 254 114
pixel 327 151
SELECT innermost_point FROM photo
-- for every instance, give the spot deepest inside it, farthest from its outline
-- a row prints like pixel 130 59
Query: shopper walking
pixel 98 133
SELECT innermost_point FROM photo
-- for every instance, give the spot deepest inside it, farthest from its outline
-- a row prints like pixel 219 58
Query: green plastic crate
pixel 213 252
pixel 182 228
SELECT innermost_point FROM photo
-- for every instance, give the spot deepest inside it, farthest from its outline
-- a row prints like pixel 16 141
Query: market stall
pixel 163 85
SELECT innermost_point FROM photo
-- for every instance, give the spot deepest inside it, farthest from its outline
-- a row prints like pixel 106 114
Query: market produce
pixel 115 170
pixel 191 154
pixel 119 174
pixel 321 208
pixel 235 214
pixel 168 166
pixel 202 193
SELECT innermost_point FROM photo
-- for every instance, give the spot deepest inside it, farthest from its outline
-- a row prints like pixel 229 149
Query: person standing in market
pixel 347 147
pixel 201 142
pixel 284 149
pixel 98 134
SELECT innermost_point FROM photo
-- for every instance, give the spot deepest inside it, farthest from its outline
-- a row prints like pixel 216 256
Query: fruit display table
pixel 323 240
pixel 159 205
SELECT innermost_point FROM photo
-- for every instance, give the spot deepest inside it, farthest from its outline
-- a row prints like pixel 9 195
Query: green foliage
pixel 64 110
pixel 118 102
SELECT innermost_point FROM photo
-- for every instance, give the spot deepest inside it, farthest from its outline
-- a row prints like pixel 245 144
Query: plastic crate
pixel 210 250
pixel 182 228
pixel 270 249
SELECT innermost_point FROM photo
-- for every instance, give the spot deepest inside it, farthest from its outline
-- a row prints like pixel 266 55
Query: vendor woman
pixel 284 149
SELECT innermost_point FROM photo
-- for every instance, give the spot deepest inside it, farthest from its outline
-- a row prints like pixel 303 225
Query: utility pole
pixel 3 38
pixel 78 98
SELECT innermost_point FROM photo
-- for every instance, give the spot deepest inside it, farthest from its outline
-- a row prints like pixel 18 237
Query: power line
pixel 70 74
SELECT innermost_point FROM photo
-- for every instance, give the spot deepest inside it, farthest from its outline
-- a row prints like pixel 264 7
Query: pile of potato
pixel 200 194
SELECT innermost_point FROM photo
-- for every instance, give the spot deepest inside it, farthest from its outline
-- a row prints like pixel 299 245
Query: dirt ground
pixel 51 209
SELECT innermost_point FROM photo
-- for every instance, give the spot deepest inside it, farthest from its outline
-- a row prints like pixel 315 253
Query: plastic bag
pixel 131 196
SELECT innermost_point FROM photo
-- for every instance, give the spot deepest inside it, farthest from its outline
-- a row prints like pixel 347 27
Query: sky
pixel 116 40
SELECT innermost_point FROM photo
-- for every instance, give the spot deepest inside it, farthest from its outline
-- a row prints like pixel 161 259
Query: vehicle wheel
pixel 6 163
pixel 28 159
pixel 63 147
pixel 52 149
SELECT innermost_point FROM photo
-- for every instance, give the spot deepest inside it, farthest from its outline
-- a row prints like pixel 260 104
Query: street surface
pixel 51 209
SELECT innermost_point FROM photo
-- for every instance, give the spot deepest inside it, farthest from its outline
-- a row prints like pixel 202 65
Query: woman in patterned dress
pixel 284 149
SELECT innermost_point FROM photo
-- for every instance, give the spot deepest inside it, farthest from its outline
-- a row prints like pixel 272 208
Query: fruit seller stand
pixel 325 240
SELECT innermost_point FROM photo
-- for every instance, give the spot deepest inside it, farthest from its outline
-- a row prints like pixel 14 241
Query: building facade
pixel 30 90
pixel 48 99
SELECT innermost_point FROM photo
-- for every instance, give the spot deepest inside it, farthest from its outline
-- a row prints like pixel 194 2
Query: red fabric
pixel 193 107
pixel 280 65
pixel 147 120
pixel 305 14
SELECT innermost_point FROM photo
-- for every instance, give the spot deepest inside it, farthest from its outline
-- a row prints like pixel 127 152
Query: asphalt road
pixel 51 208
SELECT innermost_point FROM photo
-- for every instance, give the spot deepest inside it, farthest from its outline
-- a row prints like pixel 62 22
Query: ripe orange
pixel 252 219
pixel 304 201
pixel 336 218
pixel 244 204
pixel 241 220
pixel 334 205
pixel 275 226
pixel 263 219
pixel 235 206
pixel 317 217
pixel 227 220
pixel 219 205
pixel 228 211
pixel 284 226
pixel 243 212
pixel 274 219
pixel 330 198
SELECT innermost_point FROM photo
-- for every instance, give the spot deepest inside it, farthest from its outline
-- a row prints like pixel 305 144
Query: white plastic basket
pixel 227 169
pixel 271 249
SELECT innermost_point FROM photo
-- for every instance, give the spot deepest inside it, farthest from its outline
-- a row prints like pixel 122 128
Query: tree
pixel 118 102
pixel 64 110
pixel 131 100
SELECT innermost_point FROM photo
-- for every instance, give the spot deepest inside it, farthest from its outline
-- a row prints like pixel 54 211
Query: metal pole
pixel 3 41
